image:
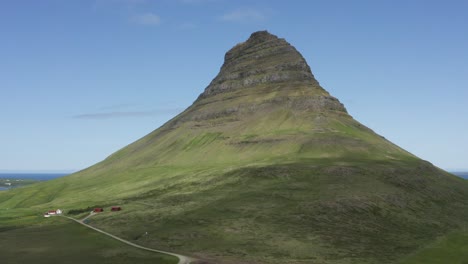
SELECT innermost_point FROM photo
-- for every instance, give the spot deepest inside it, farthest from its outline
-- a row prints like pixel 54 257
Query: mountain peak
pixel 261 36
pixel 265 63
pixel 259 40
pixel 263 58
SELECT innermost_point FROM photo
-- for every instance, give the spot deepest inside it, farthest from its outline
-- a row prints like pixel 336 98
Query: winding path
pixel 182 259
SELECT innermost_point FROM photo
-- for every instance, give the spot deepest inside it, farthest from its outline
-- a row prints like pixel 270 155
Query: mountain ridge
pixel 247 91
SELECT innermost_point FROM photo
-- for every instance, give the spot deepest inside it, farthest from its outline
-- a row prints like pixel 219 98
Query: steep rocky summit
pixel 267 63
pixel 263 58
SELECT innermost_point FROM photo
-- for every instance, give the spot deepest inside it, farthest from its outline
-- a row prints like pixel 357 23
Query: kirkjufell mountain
pixel 264 167
pixel 264 104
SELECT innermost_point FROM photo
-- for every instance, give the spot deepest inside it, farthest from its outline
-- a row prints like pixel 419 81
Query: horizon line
pixel 40 171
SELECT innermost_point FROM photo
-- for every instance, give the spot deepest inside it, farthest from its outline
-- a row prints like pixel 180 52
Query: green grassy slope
pixel 268 136
pixel 452 248
pixel 58 240
pixel 351 211
pixel 262 168
pixel 297 213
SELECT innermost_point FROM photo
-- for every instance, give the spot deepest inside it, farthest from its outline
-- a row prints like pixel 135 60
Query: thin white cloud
pixel 129 114
pixel 132 2
pixel 127 2
pixel 148 19
pixel 116 107
pixel 111 115
pixel 244 15
pixel 198 1
pixel 105 4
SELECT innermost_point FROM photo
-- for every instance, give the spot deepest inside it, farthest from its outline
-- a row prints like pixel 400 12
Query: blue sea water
pixel 30 176
pixel 463 174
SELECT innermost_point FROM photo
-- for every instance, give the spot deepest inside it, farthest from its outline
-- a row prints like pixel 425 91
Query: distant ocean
pixel 463 174
pixel 31 176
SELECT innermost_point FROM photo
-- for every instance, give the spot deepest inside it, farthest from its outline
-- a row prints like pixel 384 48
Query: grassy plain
pixel 58 240
pixel 295 213
pixel 452 249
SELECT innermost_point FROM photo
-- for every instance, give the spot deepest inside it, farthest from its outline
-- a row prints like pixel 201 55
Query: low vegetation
pixel 452 248
pixel 83 210
pixel 58 240
pixel 295 213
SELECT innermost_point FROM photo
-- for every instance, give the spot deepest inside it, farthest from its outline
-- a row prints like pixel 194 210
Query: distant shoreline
pixel 14 180
pixel 33 176
pixel 462 174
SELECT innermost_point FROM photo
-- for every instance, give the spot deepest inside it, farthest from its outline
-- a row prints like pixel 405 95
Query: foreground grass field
pixel 293 213
pixel 452 248
pixel 318 211
pixel 62 241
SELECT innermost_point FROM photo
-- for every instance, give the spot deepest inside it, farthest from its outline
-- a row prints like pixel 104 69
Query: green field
pixel 59 240
pixel 354 211
pixel 452 249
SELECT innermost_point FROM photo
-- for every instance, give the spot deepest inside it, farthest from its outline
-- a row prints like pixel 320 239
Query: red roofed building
pixel 53 212
pixel 116 208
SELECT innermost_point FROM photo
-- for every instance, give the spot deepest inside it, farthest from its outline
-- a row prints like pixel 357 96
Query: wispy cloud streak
pixel 148 19
pixel 128 114
pixel 106 4
pixel 244 15
pixel 198 1
pixel 118 106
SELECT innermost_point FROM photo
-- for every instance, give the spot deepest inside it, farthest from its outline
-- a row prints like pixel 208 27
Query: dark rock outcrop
pixel 267 62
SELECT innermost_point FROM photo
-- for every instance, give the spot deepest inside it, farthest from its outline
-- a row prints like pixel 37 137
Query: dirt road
pixel 182 259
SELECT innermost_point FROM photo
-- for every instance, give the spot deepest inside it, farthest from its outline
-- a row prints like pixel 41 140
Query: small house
pixel 53 212
pixel 98 210
pixel 116 208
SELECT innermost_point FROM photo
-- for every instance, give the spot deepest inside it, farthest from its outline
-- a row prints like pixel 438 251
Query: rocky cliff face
pixel 266 60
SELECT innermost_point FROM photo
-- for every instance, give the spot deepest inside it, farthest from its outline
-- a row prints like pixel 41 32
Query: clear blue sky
pixel 81 79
